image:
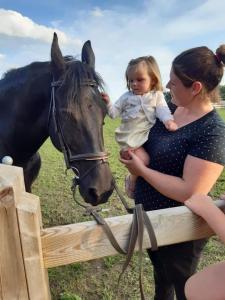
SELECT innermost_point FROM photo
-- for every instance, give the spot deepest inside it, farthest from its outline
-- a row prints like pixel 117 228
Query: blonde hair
pixel 153 71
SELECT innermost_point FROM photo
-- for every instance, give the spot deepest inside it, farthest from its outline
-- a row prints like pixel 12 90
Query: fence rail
pixel 27 250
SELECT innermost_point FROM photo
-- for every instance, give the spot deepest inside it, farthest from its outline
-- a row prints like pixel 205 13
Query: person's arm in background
pixel 199 176
pixel 204 206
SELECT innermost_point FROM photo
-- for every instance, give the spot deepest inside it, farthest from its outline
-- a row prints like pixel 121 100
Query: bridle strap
pixel 140 218
pixel 89 156
pixel 68 156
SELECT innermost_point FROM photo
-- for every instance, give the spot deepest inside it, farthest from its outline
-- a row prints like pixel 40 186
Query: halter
pixel 100 157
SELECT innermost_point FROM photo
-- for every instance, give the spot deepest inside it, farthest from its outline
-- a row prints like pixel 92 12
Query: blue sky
pixel 118 30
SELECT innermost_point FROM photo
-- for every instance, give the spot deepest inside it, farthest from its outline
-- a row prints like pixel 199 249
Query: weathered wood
pixel 12 177
pixel 29 222
pixel 12 275
pixel 86 241
pixel 22 272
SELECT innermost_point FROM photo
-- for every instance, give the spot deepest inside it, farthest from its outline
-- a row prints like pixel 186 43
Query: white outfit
pixel 138 114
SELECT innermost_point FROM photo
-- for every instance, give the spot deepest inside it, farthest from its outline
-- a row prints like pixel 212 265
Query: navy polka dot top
pixel 203 138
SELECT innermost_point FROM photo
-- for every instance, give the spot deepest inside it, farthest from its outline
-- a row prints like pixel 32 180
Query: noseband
pixel 69 157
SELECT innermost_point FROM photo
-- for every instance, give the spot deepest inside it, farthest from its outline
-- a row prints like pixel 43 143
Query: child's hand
pixel 171 125
pixel 105 98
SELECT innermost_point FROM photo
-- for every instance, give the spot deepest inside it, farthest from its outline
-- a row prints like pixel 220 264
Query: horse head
pixel 76 121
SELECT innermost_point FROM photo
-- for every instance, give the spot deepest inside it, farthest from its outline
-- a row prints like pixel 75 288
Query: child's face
pixel 139 80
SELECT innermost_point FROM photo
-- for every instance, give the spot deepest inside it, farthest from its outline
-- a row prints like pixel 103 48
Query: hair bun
pixel 220 54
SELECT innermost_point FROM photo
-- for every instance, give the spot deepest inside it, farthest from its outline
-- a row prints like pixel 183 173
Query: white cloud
pixel 14 24
pixel 2 56
pixel 97 12
pixel 207 18
pixel 162 29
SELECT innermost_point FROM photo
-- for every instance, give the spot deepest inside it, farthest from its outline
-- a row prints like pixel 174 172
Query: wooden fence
pixel 27 250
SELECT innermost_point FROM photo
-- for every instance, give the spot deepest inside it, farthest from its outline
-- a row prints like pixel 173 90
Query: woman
pixel 213 276
pixel 184 162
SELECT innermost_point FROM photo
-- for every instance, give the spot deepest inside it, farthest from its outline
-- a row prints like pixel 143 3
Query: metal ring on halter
pixel 76 172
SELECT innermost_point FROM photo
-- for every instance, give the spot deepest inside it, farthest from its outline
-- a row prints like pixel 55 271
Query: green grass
pixel 97 279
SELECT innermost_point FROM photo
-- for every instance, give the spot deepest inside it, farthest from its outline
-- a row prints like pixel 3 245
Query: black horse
pixel 60 99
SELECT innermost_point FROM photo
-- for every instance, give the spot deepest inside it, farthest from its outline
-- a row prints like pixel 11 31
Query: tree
pixel 222 92
pixel 167 96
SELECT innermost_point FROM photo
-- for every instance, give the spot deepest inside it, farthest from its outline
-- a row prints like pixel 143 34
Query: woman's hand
pixel 135 165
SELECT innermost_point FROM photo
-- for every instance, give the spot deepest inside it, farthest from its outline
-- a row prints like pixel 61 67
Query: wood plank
pixel 22 272
pixel 12 275
pixel 86 241
pixel 11 176
pixel 30 224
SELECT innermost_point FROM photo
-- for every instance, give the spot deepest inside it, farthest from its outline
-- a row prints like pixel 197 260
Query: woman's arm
pixel 204 206
pixel 198 177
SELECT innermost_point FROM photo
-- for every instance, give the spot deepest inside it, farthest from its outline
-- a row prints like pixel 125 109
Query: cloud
pixel 205 19
pixel 13 24
pixel 2 56
pixel 118 33
pixel 97 12
pixel 160 28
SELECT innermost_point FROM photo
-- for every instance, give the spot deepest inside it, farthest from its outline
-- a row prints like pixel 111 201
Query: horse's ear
pixel 87 54
pixel 57 62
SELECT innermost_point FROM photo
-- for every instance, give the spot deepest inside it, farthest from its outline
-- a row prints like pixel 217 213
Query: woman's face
pixel 181 95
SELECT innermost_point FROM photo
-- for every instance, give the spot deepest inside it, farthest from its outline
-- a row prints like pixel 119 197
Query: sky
pixel 118 30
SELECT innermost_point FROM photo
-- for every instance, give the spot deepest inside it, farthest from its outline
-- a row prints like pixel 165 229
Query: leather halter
pixel 100 157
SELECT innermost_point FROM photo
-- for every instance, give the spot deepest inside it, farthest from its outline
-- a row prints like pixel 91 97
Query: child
pixel 138 109
pixel 207 284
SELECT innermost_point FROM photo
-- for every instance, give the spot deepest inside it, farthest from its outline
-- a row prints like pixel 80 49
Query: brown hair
pixel 200 64
pixel 153 71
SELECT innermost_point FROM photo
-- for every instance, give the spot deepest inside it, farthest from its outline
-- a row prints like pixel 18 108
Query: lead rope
pixel 140 220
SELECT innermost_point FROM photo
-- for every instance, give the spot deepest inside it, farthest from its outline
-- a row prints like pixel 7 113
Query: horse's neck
pixel 24 115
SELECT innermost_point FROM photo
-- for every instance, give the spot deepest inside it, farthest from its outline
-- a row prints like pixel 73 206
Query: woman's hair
pixel 153 71
pixel 203 65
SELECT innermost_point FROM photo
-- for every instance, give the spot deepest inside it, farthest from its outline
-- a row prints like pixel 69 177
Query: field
pixel 97 279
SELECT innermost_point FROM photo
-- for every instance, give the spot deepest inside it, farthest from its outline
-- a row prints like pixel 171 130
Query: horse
pixel 60 99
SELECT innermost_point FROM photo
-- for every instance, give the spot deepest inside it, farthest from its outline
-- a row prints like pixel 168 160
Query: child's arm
pixel 114 110
pixel 204 206
pixel 171 125
pixel 163 113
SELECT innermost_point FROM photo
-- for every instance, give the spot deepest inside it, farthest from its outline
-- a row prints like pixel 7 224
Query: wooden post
pixel 22 272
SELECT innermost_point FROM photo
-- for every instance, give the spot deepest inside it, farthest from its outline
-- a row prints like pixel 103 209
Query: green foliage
pixel 69 296
pixel 222 92
pixel 167 96
pixel 98 279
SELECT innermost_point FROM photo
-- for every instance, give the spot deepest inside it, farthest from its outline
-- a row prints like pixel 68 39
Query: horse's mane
pixel 78 74
pixel 22 72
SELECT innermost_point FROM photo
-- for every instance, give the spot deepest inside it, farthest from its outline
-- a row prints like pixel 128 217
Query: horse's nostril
pixel 93 193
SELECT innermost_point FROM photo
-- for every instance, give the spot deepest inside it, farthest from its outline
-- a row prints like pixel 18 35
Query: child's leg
pixel 207 284
pixel 143 155
pixel 131 179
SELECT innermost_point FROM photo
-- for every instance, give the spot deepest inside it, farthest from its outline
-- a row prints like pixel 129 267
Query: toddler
pixel 138 109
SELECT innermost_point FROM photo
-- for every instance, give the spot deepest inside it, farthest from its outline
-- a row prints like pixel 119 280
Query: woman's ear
pixel 196 87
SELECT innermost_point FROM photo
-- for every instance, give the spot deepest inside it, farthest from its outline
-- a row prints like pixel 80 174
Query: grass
pixel 73 282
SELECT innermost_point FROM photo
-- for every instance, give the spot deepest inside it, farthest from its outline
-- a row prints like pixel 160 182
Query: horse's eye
pixel 89 106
